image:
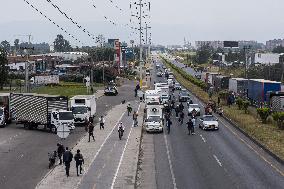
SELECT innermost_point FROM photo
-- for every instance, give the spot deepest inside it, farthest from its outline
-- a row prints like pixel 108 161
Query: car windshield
pixel 66 116
pixel 183 94
pixel 193 106
pixel 153 119
pixel 79 110
pixel 208 118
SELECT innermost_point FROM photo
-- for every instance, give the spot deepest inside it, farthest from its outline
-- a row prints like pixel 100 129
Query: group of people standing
pixel 179 114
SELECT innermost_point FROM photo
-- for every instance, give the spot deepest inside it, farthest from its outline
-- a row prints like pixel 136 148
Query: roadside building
pixel 266 58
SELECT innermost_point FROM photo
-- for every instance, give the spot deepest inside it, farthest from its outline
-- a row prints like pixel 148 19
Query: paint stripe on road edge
pixel 218 161
pixel 122 155
pixel 249 146
pixel 170 162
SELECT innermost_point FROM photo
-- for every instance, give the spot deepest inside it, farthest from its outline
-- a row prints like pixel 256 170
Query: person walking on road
pixel 129 109
pixel 169 123
pixel 189 126
pixel 194 124
pixel 91 129
pixel 181 117
pixel 79 159
pixel 135 118
pixel 60 151
pixel 67 158
pixel 177 111
pixel 102 122
pixel 181 106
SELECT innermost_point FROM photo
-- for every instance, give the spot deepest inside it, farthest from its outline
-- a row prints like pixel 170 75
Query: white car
pixel 154 124
pixel 177 86
pixel 208 122
pixel 159 74
pixel 193 107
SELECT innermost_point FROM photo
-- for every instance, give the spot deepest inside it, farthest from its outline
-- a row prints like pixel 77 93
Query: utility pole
pixel 246 48
pixel 27 65
pixel 140 36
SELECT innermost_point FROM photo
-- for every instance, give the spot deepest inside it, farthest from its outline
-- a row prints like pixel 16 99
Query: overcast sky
pixel 171 20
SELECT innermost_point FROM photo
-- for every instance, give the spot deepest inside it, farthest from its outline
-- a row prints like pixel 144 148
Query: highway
pixel 23 153
pixel 211 159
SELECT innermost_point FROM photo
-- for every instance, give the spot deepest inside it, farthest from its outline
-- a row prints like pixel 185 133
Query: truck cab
pixel 154 117
pixel 5 114
pixel 83 107
pixel 62 117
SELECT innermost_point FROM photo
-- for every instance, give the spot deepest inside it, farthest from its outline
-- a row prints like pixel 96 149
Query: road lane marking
pixel 170 162
pixel 218 161
pixel 249 146
pixel 122 155
pixel 203 138
pixel 102 145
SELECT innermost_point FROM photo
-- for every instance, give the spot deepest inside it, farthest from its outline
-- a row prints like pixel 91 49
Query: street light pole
pixel 140 29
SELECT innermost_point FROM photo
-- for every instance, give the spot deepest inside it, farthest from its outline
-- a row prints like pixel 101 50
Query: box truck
pixel 35 110
pixel 83 107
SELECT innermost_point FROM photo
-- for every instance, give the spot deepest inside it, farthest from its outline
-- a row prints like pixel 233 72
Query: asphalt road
pixel 23 153
pixel 212 159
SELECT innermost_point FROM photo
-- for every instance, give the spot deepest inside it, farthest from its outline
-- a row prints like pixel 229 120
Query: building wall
pixel 266 58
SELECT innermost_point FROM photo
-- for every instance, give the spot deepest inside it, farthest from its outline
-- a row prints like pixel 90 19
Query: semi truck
pixel 46 111
pixel 258 88
pixel 83 107
pixel 5 113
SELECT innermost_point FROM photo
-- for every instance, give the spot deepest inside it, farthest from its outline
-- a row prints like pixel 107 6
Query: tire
pixel 53 129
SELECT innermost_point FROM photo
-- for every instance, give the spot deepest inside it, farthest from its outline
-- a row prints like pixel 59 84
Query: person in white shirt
pixel 194 124
pixel 102 122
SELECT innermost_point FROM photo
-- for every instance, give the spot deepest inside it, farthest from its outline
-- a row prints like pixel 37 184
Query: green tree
pixel 6 46
pixel 203 54
pixel 61 44
pixel 279 49
pixel 16 44
pixel 3 67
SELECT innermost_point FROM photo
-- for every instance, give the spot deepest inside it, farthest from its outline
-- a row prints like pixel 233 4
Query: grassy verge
pixel 267 134
pixel 65 89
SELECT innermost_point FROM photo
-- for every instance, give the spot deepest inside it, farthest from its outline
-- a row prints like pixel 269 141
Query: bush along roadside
pixel 268 135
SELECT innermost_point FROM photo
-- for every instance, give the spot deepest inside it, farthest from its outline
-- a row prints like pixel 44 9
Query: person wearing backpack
pixel 67 158
pixel 79 161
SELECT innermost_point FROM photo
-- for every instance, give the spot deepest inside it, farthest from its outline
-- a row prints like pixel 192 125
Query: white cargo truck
pixel 83 107
pixel 154 115
pixel 45 80
pixel 46 111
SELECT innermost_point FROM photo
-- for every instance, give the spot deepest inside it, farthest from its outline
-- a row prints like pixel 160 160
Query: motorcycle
pixel 52 158
pixel 120 133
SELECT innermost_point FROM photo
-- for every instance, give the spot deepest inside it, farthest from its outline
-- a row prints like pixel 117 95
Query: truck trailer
pixel 83 107
pixel 34 110
pixel 258 88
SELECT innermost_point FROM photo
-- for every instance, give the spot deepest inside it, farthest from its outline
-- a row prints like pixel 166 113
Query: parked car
pixel 159 74
pixel 147 72
pixel 208 122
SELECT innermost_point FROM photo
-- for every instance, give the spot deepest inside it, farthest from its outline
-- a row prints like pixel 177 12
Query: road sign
pixel 63 131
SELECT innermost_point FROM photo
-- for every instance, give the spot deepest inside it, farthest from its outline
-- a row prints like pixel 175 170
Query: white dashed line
pixel 170 163
pixel 203 138
pixel 218 161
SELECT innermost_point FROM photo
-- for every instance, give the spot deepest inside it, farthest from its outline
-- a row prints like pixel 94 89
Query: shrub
pixel 224 95
pixel 246 105
pixel 279 118
pixel 239 102
pixel 263 113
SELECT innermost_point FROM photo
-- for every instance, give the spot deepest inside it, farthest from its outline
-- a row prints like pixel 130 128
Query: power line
pixel 69 18
pixel 52 21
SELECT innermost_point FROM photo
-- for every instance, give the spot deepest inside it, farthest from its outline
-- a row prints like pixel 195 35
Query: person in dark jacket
pixel 189 126
pixel 60 151
pixel 177 111
pixel 129 109
pixel 91 129
pixel 181 117
pixel 181 106
pixel 79 159
pixel 67 158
